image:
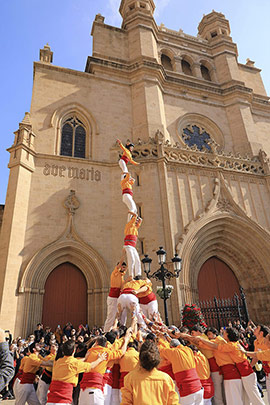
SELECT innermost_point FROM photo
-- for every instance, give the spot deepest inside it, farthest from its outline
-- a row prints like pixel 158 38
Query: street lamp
pixel 162 274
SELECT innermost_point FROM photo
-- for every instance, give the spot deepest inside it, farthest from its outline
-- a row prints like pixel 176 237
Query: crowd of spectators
pixel 83 335
pixel 46 337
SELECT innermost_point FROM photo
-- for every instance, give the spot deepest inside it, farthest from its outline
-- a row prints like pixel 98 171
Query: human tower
pixel 134 294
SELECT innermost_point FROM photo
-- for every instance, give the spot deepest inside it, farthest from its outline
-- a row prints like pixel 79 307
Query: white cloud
pixel 114 18
pixel 160 6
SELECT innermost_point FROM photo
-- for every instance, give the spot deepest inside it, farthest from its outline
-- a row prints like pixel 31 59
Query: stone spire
pixel 26 121
pixel 214 26
pixel 45 54
pixel 128 8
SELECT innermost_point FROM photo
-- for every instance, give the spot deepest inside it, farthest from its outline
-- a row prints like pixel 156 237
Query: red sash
pixel 121 379
pixel 127 291
pixel 266 368
pixel 244 368
pixel 130 240
pixel 125 158
pixel 187 382
pixel 18 375
pixel 60 392
pixel 127 191
pixel 92 380
pixel 208 386
pixel 230 372
pixel 114 292
pixel 213 365
pixel 116 376
pixel 149 298
pixel 108 377
pixel 28 378
pixel 168 370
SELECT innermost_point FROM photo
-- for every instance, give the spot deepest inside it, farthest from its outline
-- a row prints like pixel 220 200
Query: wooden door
pixel 216 279
pixel 65 298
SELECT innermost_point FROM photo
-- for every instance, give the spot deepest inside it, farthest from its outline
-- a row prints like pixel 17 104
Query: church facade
pixel 200 122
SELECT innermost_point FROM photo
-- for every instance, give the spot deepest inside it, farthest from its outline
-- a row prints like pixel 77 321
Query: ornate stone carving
pixel 224 205
pixel 71 203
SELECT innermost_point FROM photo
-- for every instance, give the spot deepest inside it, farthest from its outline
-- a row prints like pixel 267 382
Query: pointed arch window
pixel 73 138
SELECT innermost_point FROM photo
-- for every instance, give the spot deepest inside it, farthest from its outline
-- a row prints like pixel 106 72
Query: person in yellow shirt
pixel 131 236
pixel 117 282
pixel 92 382
pixel 184 369
pixel 65 374
pixel 148 301
pixel 146 385
pixel 128 299
pixel 127 194
pixel 203 371
pixel 46 377
pixel 232 378
pixel 261 331
pixel 25 391
pixel 211 333
pixel 129 361
pixel 127 156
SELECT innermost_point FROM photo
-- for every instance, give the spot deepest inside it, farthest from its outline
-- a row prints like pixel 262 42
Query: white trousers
pixel 123 167
pixel 268 386
pixel 107 391
pixel 233 392
pixel 251 388
pixel 115 398
pixel 15 386
pixel 207 401
pixel 42 391
pixel 218 382
pixel 130 203
pixel 129 302
pixel 133 259
pixel 26 393
pixel 149 309
pixel 193 399
pixel 91 396
pixel 111 313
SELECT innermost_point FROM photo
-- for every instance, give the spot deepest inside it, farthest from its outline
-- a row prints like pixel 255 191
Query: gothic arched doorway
pixel 216 279
pixel 65 298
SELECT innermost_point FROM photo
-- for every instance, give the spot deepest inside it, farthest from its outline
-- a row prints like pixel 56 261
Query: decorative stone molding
pixel 71 203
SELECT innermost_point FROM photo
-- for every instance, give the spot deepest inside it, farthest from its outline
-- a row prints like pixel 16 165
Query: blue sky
pixel 26 26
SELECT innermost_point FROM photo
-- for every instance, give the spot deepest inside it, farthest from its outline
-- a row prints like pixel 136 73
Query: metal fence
pixel 218 312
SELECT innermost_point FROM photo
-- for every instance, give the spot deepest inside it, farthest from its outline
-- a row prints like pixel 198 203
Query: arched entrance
pixel 216 279
pixel 65 297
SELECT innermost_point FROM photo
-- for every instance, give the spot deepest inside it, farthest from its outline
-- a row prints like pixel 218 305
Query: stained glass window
pixel 73 138
pixel 193 135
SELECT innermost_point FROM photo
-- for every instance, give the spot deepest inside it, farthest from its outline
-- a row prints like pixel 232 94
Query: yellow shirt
pixel 32 363
pixel 264 355
pixel 181 357
pixel 148 284
pixel 259 344
pixel 48 358
pixel 233 350
pixel 127 154
pixel 93 355
pixel 208 353
pixel 68 368
pixel 129 361
pixel 144 387
pixel 127 182
pixel 117 278
pixel 202 366
pixel 131 227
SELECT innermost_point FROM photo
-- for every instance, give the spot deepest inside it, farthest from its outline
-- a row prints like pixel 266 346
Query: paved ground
pixel 12 402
